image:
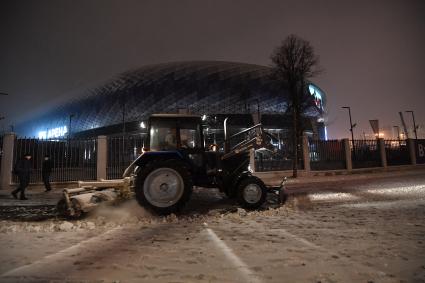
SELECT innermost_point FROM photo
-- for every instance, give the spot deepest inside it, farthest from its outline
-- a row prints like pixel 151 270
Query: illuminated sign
pixel 53 133
pixel 318 96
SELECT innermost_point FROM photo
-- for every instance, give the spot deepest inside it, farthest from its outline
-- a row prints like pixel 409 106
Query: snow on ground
pixel 319 236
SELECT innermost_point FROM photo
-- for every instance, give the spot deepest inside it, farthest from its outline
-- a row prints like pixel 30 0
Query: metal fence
pixel 72 159
pixel 326 155
pixel 365 153
pixel 1 149
pixel 76 159
pixel 397 152
pixel 278 160
pixel 121 152
pixel 420 151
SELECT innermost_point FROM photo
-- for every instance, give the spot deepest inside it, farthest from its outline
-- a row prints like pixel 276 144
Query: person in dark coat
pixel 23 170
pixel 46 170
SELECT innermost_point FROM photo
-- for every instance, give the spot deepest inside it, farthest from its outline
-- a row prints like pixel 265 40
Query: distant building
pixel 212 89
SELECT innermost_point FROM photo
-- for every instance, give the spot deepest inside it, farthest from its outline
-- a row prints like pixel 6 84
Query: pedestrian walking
pixel 46 170
pixel 23 170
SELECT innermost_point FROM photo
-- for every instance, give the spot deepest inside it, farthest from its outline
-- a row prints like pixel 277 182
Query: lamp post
pixel 258 110
pixel 123 97
pixel 414 123
pixel 398 132
pixel 351 123
pixel 3 93
pixel 70 121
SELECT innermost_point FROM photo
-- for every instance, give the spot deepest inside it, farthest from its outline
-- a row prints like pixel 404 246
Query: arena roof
pixel 202 87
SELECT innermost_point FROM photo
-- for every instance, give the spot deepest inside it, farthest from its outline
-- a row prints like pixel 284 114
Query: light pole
pixel 258 110
pixel 3 93
pixel 398 132
pixel 70 121
pixel 351 123
pixel 414 123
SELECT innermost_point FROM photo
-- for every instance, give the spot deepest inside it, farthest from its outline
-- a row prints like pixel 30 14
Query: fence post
pixel 306 154
pixel 7 160
pixel 411 145
pixel 102 156
pixel 382 152
pixel 347 150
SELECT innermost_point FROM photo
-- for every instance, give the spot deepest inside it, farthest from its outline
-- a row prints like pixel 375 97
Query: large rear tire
pixel 251 192
pixel 163 186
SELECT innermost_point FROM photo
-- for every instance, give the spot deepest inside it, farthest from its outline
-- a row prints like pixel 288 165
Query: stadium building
pixel 213 89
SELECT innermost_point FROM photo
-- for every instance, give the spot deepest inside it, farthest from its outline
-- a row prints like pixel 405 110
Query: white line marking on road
pixel 386 204
pixel 299 239
pixel 248 274
pixel 332 197
pixel 398 190
pixel 56 257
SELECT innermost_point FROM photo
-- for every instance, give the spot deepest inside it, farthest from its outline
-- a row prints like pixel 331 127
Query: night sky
pixel 373 52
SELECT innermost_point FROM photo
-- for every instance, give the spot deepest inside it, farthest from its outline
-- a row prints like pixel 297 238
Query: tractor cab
pixel 175 132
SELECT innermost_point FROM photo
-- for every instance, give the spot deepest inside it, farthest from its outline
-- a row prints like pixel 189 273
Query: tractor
pixel 173 161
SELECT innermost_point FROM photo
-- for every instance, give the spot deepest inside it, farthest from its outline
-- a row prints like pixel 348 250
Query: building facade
pixel 213 89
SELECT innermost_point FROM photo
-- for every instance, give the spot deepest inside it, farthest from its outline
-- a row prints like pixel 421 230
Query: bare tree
pixel 294 62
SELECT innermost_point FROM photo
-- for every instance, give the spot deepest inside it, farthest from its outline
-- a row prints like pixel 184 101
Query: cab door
pixel 190 143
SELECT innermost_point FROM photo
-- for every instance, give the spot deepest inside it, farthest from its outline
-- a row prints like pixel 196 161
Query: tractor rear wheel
pixel 163 186
pixel 251 192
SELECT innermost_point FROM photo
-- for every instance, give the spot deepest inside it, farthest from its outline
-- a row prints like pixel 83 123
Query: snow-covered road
pixel 361 230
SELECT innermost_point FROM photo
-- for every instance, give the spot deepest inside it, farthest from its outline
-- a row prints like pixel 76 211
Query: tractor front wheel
pixel 251 192
pixel 163 186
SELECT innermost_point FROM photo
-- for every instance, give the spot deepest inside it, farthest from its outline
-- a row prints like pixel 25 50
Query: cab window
pixel 190 136
pixel 163 135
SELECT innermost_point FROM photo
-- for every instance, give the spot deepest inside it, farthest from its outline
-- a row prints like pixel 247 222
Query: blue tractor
pixel 175 160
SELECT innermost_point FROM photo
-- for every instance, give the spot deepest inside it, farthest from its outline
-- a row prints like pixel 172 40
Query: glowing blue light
pixel 311 89
pixel 53 133
pixel 314 91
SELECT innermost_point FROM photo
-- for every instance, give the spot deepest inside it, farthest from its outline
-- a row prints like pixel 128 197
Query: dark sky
pixel 373 52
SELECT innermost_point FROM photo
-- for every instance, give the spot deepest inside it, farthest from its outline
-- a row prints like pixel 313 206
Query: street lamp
pixel 258 109
pixel 70 120
pixel 414 123
pixel 351 123
pixel 398 132
pixel 3 93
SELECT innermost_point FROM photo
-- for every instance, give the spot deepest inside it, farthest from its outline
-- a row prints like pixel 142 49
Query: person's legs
pixel 23 186
pixel 19 188
pixel 15 191
pixel 46 181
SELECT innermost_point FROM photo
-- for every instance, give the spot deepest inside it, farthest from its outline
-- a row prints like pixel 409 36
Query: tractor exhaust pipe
pixel 226 142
